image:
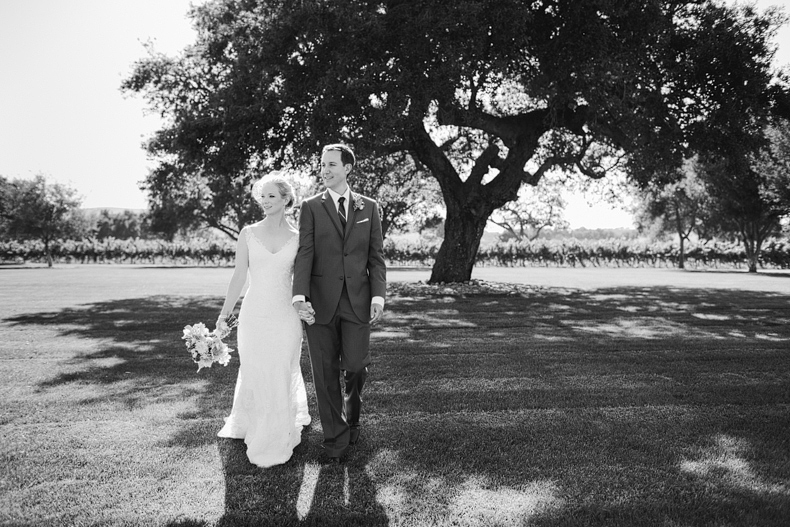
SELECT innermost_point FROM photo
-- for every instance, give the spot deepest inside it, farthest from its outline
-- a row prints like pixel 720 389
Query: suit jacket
pixel 329 257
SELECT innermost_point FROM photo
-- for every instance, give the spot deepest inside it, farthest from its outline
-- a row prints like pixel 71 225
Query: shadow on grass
pixel 626 406
pixel 599 407
pixel 140 339
pixel 141 362
pixel 304 491
pixel 742 272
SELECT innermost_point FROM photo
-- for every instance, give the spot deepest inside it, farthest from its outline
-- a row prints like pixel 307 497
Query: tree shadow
pixel 138 359
pixel 585 407
pixel 742 272
pixel 140 355
pixel 609 407
pixel 307 490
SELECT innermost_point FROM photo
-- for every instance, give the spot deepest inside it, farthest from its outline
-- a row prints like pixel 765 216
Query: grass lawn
pixel 595 397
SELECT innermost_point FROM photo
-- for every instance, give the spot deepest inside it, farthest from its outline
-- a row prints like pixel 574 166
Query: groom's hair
pixel 346 154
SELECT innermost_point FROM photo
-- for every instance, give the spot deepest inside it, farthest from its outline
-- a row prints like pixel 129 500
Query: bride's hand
pixel 307 314
pixel 307 317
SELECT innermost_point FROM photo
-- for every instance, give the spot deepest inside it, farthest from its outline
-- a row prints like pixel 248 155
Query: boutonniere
pixel 358 203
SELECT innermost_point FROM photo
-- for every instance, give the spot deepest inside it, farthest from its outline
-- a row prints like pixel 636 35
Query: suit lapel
pixel 350 215
pixel 329 207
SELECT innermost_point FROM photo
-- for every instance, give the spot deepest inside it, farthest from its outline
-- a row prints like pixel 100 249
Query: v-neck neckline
pixel 255 235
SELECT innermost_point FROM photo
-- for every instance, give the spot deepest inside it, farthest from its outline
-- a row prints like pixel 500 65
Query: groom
pixel 340 270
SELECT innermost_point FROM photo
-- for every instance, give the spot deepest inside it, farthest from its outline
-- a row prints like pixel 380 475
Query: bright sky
pixel 62 113
pixel 61 109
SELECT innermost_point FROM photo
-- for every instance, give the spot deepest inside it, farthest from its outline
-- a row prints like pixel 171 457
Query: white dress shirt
pixel 336 198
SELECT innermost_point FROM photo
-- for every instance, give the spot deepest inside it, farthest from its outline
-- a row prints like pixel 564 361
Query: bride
pixel 270 401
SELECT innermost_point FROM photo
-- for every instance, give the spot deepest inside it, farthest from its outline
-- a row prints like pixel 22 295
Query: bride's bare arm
pixel 239 276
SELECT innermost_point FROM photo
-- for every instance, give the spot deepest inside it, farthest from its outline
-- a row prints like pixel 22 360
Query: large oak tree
pixel 487 95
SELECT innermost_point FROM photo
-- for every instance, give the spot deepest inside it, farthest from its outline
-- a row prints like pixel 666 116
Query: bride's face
pixel 271 199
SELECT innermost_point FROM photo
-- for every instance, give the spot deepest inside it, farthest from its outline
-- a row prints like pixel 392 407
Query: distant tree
pixel 738 206
pixel 740 97
pixel 536 208
pixel 180 200
pixel 736 134
pixel 6 191
pixel 749 188
pixel 122 225
pixel 741 196
pixel 679 207
pixel 487 95
pixel 773 162
pixel 40 210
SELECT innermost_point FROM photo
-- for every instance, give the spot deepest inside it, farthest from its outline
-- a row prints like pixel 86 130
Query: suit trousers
pixel 342 344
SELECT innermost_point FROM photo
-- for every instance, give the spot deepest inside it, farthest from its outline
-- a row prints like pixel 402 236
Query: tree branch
pixel 435 160
pixel 511 129
pixel 505 225
pixel 450 142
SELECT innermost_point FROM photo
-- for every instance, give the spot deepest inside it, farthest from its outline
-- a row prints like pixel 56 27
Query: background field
pixel 585 397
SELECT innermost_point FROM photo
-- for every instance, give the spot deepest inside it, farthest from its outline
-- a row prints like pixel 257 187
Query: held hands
pixel 306 312
pixel 376 312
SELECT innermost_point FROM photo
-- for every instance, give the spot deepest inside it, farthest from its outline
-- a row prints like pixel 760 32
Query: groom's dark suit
pixel 339 271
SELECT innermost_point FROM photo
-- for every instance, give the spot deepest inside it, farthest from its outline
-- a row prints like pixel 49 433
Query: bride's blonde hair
pixel 276 178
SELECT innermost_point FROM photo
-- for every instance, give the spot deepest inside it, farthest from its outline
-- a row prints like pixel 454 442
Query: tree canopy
pixel 486 95
pixel 37 209
pixel 747 188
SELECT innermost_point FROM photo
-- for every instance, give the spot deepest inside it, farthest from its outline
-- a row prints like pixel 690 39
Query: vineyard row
pixel 554 253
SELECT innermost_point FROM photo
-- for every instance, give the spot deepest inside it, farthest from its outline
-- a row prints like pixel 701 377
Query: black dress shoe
pixel 354 436
pixel 336 460
pixel 335 457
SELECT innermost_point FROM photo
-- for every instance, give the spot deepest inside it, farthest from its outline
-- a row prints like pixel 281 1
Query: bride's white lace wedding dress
pixel 270 401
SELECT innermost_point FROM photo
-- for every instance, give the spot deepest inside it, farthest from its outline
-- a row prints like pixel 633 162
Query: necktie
pixel 341 211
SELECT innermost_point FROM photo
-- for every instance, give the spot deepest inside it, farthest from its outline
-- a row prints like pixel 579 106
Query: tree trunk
pixel 752 263
pixel 463 230
pixel 470 202
pixel 48 254
pixel 681 231
pixel 751 245
pixel 682 257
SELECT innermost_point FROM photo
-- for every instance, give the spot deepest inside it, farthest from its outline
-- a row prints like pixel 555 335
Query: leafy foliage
pixel 486 95
pixel 741 101
pixel 738 203
pixel 38 209
pixel 122 224
pixel 679 207
pixel 773 163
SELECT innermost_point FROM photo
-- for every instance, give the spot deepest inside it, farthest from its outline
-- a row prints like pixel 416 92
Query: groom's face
pixel 333 171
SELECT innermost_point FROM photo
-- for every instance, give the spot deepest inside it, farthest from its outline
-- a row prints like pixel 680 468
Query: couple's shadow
pixel 307 490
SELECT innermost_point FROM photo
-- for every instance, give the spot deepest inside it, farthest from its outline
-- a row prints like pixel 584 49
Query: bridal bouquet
pixel 206 346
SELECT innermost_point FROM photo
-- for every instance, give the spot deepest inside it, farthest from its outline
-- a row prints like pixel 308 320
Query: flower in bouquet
pixel 206 347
